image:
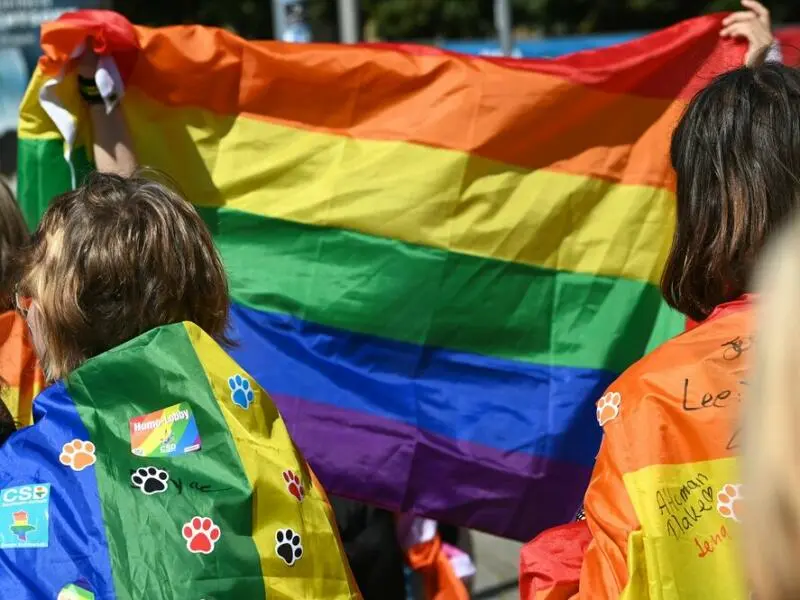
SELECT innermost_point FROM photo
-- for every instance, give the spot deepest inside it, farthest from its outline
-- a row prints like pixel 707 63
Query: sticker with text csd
pixel 25 516
pixel 171 431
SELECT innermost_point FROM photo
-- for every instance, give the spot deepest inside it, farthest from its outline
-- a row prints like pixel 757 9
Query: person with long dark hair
pixel 665 500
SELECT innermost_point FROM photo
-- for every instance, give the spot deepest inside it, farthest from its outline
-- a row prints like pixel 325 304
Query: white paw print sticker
pixel 78 455
pixel 241 391
pixel 288 546
pixel 201 535
pixel 608 407
pixel 150 480
pixel 729 501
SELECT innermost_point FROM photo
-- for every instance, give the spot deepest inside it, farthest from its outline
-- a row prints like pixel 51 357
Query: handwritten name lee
pixel 708 400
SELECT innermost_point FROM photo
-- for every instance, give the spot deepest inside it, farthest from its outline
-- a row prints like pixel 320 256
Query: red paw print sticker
pixel 201 535
pixel 294 485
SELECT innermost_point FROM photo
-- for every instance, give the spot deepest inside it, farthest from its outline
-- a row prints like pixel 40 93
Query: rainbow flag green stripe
pixel 43 174
pixel 140 528
pixel 420 295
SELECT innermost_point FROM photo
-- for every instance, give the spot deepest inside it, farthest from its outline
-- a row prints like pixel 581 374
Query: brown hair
pixel 736 152
pixel 13 237
pixel 115 258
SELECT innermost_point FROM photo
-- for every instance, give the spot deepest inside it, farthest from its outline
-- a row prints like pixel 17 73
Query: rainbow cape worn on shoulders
pixel 20 376
pixel 438 262
pixel 161 470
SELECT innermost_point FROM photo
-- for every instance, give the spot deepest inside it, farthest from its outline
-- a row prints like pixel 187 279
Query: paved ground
pixel 498 565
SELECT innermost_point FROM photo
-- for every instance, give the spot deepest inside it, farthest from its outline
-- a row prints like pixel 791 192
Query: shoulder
pixel 688 388
pixel 720 346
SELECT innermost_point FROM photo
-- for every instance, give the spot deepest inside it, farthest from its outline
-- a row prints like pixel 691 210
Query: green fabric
pixel 152 372
pixel 426 296
pixel 408 293
pixel 44 174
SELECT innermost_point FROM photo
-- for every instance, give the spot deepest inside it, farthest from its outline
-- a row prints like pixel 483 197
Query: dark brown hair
pixel 736 152
pixel 13 237
pixel 115 258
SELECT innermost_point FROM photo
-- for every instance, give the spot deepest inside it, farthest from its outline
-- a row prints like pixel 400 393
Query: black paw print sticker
pixel 150 480
pixel 288 546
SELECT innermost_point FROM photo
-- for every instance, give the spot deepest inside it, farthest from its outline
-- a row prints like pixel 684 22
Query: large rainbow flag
pixel 438 262
pixel 140 479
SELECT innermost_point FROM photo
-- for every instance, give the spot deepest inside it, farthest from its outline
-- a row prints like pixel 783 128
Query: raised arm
pixel 113 149
pixel 755 25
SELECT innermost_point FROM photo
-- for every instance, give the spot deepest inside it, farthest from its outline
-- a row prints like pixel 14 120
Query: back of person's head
pixel 736 152
pixel 13 237
pixel 113 259
pixel 772 428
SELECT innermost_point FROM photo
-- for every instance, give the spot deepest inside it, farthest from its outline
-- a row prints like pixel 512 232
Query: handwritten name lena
pixel 684 506
pixel 708 546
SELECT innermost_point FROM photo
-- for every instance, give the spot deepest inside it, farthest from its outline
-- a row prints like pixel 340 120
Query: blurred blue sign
pixel 544 48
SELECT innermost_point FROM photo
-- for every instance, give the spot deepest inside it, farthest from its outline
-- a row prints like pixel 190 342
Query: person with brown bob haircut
pixel 665 499
pixel 113 259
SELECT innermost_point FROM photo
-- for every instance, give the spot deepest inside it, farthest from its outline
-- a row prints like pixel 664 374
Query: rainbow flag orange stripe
pixel 438 262
pixel 20 376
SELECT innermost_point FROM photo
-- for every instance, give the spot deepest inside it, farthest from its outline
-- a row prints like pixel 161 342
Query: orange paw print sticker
pixel 729 501
pixel 77 455
pixel 608 407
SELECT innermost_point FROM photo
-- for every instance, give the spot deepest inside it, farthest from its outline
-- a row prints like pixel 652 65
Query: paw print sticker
pixel 729 501
pixel 241 391
pixel 201 535
pixel 293 485
pixel 77 455
pixel 608 407
pixel 150 480
pixel 288 546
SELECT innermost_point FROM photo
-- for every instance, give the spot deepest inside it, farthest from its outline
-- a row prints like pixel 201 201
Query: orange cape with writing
pixel 663 506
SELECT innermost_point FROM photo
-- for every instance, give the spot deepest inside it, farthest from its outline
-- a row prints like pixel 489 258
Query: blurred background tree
pixel 450 19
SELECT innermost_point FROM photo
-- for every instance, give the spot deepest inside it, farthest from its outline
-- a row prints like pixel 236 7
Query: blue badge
pixel 25 516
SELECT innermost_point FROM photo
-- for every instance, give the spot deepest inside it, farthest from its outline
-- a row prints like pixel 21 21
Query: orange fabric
pixel 19 370
pixel 721 310
pixel 678 405
pixel 550 565
pixel 440 581
pixel 373 80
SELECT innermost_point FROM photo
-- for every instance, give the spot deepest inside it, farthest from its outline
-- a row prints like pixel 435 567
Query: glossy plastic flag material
pixel 438 262
pixel 236 514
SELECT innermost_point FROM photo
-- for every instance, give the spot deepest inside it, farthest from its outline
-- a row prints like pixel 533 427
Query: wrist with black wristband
pixel 88 90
